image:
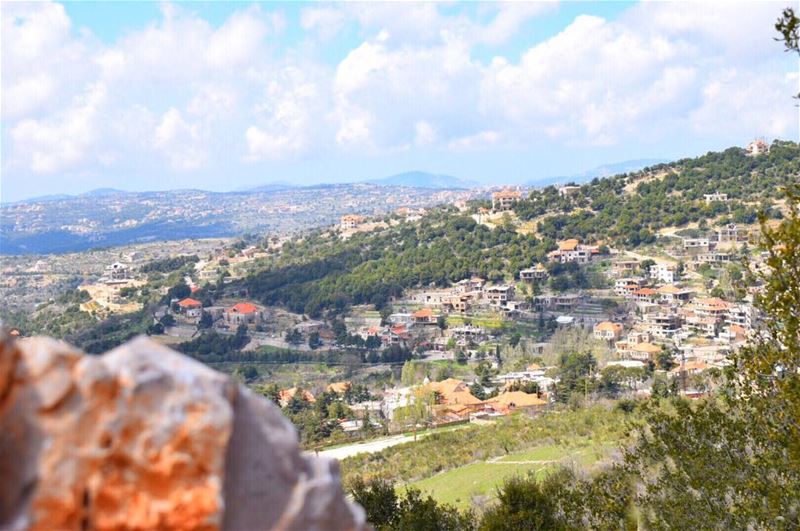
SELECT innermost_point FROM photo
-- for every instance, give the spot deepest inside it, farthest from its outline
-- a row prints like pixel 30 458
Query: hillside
pixel 322 271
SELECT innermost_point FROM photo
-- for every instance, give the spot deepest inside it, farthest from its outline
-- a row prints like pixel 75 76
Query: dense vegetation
pixel 666 195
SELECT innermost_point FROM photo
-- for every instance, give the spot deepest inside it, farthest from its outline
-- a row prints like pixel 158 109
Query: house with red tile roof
pixel 244 313
pixel 189 307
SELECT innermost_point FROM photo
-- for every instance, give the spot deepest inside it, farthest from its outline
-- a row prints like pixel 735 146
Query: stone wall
pixel 145 438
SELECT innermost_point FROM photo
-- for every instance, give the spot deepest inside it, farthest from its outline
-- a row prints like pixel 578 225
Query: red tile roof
pixel 189 302
pixel 244 308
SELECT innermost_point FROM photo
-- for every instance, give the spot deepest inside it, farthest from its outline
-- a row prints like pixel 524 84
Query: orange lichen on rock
pixel 142 438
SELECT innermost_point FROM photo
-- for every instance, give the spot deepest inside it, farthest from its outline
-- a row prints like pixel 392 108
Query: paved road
pixel 369 447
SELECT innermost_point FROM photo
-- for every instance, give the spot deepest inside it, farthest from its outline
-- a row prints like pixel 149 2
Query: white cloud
pixel 199 95
pixel 288 115
pixel 63 140
pixel 327 22
pixel 179 141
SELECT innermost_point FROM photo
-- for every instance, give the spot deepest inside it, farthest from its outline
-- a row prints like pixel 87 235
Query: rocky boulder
pixel 145 438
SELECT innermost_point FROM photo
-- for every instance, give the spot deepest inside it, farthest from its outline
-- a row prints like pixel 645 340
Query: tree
pixel 419 410
pixel 476 389
pixel 206 321
pixel 387 511
pixel 441 322
pixel 294 337
pixel 314 342
pixel 514 340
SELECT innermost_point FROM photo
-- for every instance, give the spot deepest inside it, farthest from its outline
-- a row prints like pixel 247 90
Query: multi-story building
pixel 666 273
pixel 757 147
pixel 538 272
pixel 499 295
pixel 505 199
pixel 351 221
pixel 571 251
pixel 608 331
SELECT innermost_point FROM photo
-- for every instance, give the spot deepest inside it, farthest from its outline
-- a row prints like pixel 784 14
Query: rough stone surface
pixel 144 438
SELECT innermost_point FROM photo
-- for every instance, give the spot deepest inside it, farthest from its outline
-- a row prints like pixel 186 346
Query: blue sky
pixel 213 95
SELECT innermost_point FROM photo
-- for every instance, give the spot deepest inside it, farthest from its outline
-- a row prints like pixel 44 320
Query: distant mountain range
pixel 108 217
pixel 607 170
pixel 421 179
pixel 409 179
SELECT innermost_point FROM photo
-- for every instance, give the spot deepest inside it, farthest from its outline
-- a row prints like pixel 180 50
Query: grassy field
pixel 492 322
pixel 465 485
pixel 583 435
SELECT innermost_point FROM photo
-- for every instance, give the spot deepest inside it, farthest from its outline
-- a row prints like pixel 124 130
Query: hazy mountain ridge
pixel 111 217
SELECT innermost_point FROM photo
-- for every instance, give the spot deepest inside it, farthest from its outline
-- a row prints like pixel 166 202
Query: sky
pixel 223 96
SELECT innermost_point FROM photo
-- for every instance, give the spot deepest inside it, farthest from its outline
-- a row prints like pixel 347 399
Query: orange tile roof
pixel 568 245
pixel 287 394
pixel 423 313
pixel 244 307
pixel 647 348
pixel 608 326
pixel 189 302
pixel 339 387
pixel 517 399
pixel 507 194
pixel 645 291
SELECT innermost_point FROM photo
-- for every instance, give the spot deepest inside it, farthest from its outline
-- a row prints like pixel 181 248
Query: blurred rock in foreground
pixel 145 438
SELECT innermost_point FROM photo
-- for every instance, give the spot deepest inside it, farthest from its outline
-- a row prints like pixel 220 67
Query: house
pixel 190 307
pixel 571 251
pixel 703 325
pixel 309 327
pixel 244 313
pixel 740 314
pixel 459 303
pixel 714 257
pixel 644 295
pixel 351 221
pixel 452 391
pixel 117 271
pixel 499 295
pixel 757 147
pixel 666 273
pixel 728 233
pixel 608 331
pixel 671 293
pixel 624 267
pixel 339 388
pixel 401 318
pixel 505 199
pixel 691 367
pixel 468 285
pixel 285 395
pixel 565 320
pixel 644 351
pixel 661 324
pixel 468 332
pixel 424 316
pixel 624 287
pixel 516 401
pixel 702 244
pixel 716 196
pixel 568 189
pixel 711 307
pixel 538 272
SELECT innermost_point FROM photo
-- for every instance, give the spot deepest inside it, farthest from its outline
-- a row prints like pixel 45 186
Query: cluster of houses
pixel 669 317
